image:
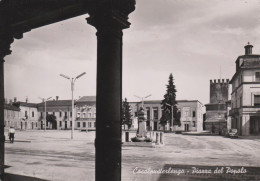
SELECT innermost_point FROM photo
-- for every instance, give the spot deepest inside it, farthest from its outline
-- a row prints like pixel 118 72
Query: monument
pixel 141 135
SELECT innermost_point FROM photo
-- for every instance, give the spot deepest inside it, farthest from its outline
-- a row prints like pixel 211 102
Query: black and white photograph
pixel 129 90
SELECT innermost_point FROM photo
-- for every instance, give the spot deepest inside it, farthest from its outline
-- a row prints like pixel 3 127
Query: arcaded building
pixel 245 96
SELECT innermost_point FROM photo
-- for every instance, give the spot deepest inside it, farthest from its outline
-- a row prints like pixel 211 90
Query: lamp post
pixel 45 114
pixel 142 98
pixel 72 80
pixel 172 116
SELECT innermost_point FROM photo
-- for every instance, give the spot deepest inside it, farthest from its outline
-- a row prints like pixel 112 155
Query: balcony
pixel 234 112
pixel 86 119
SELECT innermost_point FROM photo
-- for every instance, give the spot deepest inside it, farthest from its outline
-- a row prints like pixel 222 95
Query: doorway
pixel 255 125
pixel 155 125
pixel 186 127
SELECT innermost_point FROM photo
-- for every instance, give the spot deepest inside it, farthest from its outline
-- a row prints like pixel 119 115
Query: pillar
pixel 109 18
pixel 161 138
pixel 5 41
pixel 157 138
pixel 126 136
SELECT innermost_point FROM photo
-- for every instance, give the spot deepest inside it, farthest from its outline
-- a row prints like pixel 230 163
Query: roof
pixel 11 107
pixel 56 103
pixel 249 62
pixel 25 104
pixel 86 99
pixel 159 101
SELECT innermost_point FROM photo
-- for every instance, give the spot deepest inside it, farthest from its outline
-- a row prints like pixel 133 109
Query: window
pixel 89 115
pixel 186 112
pixel 70 114
pixel 78 124
pixel 193 113
pixel 70 123
pixel 193 123
pixel 135 114
pixel 65 114
pixel 36 124
pixel 60 124
pixel 33 114
pixel 148 113
pixel 257 76
pixel 84 124
pixel 241 101
pixel 83 115
pixel 60 114
pixel 25 114
pixel 94 115
pixel 53 113
pixel 256 100
pixel 94 124
pixel 89 124
pixel 155 113
pixel 41 114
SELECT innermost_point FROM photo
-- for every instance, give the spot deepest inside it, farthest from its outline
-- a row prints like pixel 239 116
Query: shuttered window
pixel 257 100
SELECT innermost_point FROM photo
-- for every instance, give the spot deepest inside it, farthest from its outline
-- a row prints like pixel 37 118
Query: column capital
pixel 110 14
pixel 6 39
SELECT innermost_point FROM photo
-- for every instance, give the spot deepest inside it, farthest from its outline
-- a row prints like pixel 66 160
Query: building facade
pixel 191 112
pixel 61 109
pixel 12 116
pixel 85 110
pixel 28 115
pixel 245 96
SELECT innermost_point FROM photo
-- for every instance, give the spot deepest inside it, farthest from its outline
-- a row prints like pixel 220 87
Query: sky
pixel 196 41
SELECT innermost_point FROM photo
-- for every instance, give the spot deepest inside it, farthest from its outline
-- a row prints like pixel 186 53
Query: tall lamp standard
pixel 72 80
pixel 45 114
pixel 172 116
pixel 142 98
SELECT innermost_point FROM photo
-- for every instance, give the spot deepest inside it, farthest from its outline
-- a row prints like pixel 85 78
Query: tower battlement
pixel 217 81
pixel 219 91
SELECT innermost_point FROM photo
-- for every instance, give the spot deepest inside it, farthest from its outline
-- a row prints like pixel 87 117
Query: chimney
pixel 248 49
pixel 210 81
pixel 11 101
pixel 57 98
pixel 15 99
pixel 214 80
pixel 223 80
pixel 26 100
pixel 218 80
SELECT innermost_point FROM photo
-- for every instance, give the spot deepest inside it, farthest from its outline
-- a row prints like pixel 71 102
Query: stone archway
pixel 109 17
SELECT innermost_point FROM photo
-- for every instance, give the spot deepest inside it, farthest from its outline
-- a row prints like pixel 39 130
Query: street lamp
pixel 142 98
pixel 72 80
pixel 172 115
pixel 45 114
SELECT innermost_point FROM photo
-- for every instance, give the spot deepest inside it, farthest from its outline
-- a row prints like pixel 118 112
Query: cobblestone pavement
pixel 52 155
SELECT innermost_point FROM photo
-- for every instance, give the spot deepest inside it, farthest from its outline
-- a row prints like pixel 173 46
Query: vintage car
pixel 232 133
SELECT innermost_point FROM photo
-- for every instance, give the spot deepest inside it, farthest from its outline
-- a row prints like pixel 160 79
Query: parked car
pixel 232 133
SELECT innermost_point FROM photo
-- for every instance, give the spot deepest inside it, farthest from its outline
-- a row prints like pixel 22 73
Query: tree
pixel 126 114
pixel 52 119
pixel 167 103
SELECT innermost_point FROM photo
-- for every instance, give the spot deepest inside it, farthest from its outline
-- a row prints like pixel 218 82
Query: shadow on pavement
pixel 212 173
pixel 13 177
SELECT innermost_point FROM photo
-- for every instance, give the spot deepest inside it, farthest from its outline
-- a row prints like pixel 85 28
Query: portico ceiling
pixel 23 15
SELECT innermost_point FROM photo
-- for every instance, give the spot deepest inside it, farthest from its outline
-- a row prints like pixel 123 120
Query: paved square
pixel 51 155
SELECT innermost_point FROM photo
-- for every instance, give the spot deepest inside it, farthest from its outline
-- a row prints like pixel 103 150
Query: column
pixel 109 18
pixel 5 40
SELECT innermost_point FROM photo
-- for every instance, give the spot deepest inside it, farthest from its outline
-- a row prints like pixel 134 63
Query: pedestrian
pixel 11 134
